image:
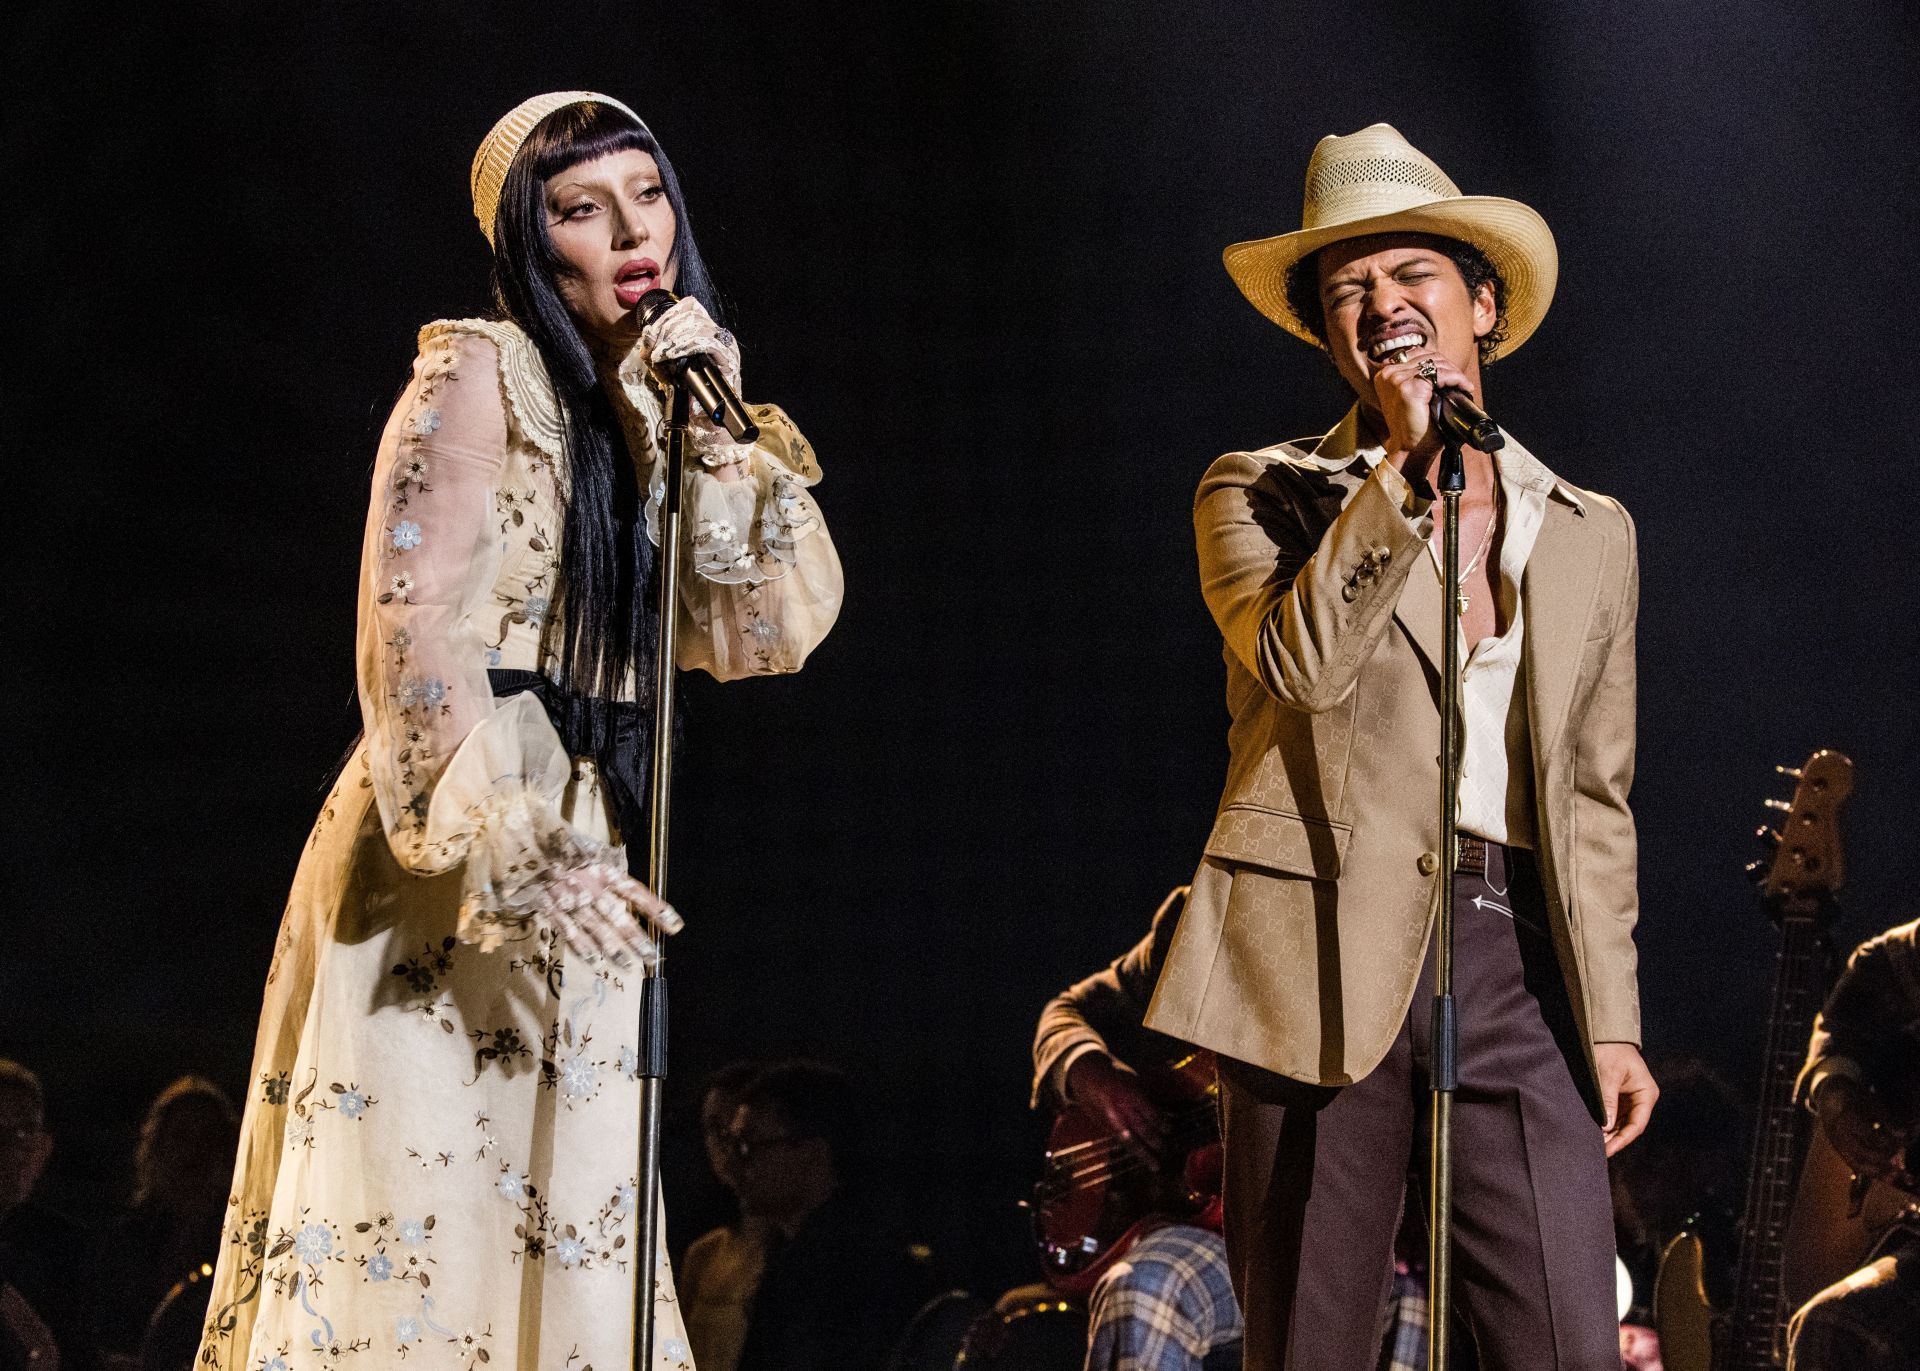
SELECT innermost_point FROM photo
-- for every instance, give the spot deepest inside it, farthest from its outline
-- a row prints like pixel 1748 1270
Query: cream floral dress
pixel 437 1164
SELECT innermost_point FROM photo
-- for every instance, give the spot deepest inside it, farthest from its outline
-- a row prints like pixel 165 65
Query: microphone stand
pixel 1444 1071
pixel 653 985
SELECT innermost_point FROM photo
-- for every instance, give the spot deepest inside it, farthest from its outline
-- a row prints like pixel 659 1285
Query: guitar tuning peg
pixel 1756 871
pixel 1767 836
pixel 1792 771
pixel 1784 806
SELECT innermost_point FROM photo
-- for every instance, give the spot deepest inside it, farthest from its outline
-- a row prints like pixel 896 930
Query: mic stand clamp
pixel 653 985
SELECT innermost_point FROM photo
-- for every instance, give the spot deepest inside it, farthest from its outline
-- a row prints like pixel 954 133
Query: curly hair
pixel 1303 289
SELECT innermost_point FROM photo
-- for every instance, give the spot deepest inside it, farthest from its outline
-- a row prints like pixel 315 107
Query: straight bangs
pixel 584 133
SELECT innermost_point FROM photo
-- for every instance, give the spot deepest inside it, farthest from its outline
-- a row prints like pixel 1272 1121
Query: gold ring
pixel 1428 371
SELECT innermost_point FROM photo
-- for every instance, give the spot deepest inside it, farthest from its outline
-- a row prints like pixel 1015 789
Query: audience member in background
pixel 837 1289
pixel 1862 1081
pixel 182 1166
pixel 721 1271
pixel 44 1285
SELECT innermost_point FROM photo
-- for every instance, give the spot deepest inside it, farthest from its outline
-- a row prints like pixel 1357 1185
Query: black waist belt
pixel 617 735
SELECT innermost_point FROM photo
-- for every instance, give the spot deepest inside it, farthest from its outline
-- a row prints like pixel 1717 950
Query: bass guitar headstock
pixel 1807 867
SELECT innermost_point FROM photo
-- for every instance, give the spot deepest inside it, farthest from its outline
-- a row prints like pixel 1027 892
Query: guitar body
pixel 1682 1311
pixel 1830 1236
pixel 1097 1194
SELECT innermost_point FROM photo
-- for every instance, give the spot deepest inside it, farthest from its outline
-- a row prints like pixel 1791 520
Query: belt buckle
pixel 1472 857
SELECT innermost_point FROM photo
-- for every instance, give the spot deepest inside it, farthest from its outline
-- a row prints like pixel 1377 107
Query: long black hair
pixel 606 603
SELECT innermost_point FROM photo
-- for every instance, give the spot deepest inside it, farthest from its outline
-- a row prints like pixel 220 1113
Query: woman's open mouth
pixel 635 279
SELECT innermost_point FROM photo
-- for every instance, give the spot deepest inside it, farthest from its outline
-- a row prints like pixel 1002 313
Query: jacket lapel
pixel 1419 609
pixel 1562 580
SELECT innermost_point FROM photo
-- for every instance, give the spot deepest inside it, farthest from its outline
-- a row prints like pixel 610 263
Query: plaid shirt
pixel 1406 1348
pixel 1165 1305
pixel 1170 1302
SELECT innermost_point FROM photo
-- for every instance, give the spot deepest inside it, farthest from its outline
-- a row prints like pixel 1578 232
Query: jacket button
pixel 1348 591
pixel 1428 863
pixel 1384 553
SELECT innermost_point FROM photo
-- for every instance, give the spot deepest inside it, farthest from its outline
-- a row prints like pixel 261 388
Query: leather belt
pixel 1473 855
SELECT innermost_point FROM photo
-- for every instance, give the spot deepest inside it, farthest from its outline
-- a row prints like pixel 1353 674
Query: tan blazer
pixel 1310 914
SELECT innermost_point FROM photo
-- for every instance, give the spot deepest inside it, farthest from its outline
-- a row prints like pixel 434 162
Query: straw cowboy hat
pixel 1375 181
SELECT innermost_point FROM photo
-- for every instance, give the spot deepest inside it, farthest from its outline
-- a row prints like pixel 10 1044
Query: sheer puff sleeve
pixel 764 583
pixel 456 778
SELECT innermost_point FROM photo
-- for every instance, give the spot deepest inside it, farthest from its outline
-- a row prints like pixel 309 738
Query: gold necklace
pixel 1486 541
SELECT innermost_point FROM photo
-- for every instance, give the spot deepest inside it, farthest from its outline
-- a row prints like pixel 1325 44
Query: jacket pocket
pixel 1276 840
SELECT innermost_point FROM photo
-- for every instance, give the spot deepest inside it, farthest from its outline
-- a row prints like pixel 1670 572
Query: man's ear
pixel 1486 312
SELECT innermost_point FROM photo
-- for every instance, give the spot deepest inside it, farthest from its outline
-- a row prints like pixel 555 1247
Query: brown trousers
pixel 1315 1175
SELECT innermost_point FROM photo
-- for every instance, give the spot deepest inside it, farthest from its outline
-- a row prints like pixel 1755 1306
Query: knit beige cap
pixel 497 150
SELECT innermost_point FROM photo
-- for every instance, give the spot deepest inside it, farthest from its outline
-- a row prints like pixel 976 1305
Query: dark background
pixel 974 249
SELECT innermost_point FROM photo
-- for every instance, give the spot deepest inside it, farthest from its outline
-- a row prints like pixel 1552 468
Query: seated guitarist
pixel 1168 1304
pixel 1862 1080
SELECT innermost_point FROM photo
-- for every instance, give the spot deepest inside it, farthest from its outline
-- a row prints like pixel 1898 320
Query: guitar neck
pixel 1779 1148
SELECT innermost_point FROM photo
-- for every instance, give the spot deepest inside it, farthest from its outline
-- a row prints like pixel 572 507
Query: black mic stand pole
pixel 1444 1071
pixel 653 985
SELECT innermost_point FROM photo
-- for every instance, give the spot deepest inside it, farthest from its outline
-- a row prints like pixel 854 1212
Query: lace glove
pixel 682 331
pixel 529 866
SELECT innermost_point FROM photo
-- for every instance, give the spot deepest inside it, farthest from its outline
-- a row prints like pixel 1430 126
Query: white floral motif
pixel 313 1244
pixel 579 1077
pixel 424 421
pixel 406 536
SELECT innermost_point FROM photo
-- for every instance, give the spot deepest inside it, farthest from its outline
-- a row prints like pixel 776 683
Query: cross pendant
pixel 1463 604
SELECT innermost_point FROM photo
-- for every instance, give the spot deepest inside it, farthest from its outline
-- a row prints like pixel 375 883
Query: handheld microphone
pixel 702 376
pixel 1461 420
pixel 1467 423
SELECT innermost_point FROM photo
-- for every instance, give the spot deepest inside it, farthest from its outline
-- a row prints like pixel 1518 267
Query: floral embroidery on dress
pixel 302 1254
pixel 248 1241
pixel 349 1100
pixel 300 1126
pixel 418 699
pixel 601 1245
pixel 496 1045
pixel 399 1251
pixel 535 572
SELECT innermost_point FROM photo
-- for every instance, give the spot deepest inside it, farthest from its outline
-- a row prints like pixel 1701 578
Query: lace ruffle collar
pixel 523 376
